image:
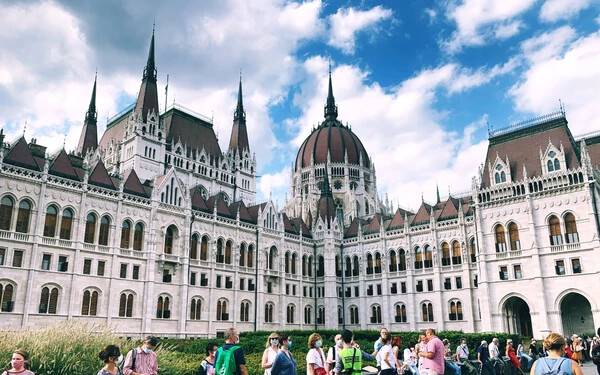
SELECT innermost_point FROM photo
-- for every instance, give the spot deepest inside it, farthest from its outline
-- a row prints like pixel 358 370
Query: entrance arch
pixel 517 317
pixel 576 314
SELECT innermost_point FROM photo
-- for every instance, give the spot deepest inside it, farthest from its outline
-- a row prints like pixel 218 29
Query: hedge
pixel 72 348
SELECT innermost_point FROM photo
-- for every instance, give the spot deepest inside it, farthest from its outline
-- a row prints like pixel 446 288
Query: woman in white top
pixel 315 358
pixel 420 347
pixel 388 361
pixel 272 347
pixel 410 358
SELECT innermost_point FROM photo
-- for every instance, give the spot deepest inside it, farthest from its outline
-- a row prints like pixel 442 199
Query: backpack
pixel 225 364
pixel 133 352
pixel 596 354
pixel 555 370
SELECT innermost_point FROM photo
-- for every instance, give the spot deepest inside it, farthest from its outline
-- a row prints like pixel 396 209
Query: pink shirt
pixel 435 364
pixel 144 363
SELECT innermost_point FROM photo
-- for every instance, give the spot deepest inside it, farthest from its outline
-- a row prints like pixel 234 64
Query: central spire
pixel 88 140
pixel 147 101
pixel 150 69
pixel 239 134
pixel 92 114
pixel 331 111
pixel 240 114
pixel 326 188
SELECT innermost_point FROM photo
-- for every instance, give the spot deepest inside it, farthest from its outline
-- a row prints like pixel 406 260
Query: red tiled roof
pixel 352 230
pixel 422 214
pixel 62 166
pixel 326 209
pixel 244 213
pixel 100 177
pixel 198 202
pixel 398 219
pixel 450 209
pixel 374 225
pixel 253 210
pixel 299 223
pixel 192 131
pixel 287 225
pixel 222 209
pixel 20 155
pixel 133 185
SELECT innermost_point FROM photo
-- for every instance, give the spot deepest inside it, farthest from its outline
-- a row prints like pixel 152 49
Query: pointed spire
pixel 92 114
pixel 331 112
pixel 326 188
pixel 147 101
pixel 88 140
pixel 239 133
pixel 150 70
pixel 240 114
pixel 437 188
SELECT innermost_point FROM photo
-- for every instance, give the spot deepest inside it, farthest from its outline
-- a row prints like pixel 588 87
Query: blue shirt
pixel 545 364
pixel 484 353
pixel 283 364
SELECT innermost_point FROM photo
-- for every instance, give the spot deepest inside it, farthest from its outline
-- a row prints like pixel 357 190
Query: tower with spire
pixel 88 140
pixel 331 110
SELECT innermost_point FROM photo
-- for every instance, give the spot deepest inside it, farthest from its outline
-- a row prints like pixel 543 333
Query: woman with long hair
pixel 272 348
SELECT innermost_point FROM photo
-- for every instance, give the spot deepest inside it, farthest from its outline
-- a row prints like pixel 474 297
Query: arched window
pixel 459 312
pixel 194 247
pixel 473 250
pixel 555 234
pixel 550 166
pixel 242 255
pixel 428 257
pixel 321 266
pixel 6 297
pixel 273 254
pixel 103 233
pixel 170 239
pixel 369 264
pixel 89 305
pixel 220 251
pixel 321 315
pixel 338 267
pixel 427 309
pixel 571 228
pixel 228 246
pixel 513 234
pixel 503 176
pixel 456 310
pixel 287 262
pixel 50 221
pixel 354 315
pixel 418 258
pixel 66 222
pixel 400 313
pixel 452 310
pixel 456 253
pixel 204 248
pixel 245 311
pixel 445 254
pixel 377 262
pixel 348 267
pixel 126 305
pixel 222 310
pixel 294 261
pixel 138 236
pixel 6 209
pixel 48 300
pixel 196 309
pixel 393 261
pixel 125 234
pixel 162 308
pixel 304 266
pixel 355 266
pixel 497 178
pixel 307 314
pixel 268 313
pixel 310 266
pixel 290 314
pixel 556 165
pixel 90 228
pixel 401 260
pixel 251 256
pixel 375 314
pixel 23 217
pixel 500 239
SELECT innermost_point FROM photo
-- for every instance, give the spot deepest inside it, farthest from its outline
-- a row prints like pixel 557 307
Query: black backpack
pixel 133 352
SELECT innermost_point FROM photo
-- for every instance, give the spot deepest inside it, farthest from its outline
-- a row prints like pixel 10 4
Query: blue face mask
pixel 319 343
pixel 289 344
pixel 147 350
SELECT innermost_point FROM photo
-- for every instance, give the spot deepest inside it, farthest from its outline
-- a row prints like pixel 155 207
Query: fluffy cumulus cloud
pixel 478 22
pixel 562 66
pixel 348 22
pixel 554 10
pixel 400 127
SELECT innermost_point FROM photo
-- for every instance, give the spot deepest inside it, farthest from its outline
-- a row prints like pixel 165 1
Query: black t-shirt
pixel 533 349
pixel 238 355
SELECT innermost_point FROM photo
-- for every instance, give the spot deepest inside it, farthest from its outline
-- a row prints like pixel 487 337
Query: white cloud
pixel 554 10
pixel 560 67
pixel 432 14
pixel 400 127
pixel 346 23
pixel 479 21
pixel 275 185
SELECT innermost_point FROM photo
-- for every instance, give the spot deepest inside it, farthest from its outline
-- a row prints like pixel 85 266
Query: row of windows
pixel 559 269
pixel 556 238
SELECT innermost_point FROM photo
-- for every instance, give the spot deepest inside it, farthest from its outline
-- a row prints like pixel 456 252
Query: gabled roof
pixel 299 223
pixel 352 230
pixel 450 209
pixel 398 219
pixel 287 225
pixel 244 213
pixel 21 156
pixel 100 177
pixel 374 225
pixel 61 166
pixel 253 210
pixel 133 185
pixel 222 209
pixel 198 202
pixel 422 214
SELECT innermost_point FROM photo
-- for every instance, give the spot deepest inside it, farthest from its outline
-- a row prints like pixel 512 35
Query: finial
pixel 422 199
pixel 64 141
pixel 153 25
pixel 24 128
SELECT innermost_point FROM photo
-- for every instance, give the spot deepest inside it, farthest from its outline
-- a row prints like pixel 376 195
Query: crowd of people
pixel 429 356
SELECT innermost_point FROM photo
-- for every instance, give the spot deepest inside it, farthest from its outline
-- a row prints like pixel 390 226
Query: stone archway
pixel 576 314
pixel 516 317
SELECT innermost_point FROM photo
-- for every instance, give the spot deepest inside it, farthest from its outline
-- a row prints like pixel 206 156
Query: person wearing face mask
pixel 207 366
pixel 383 334
pixel 284 363
pixel 111 355
pixel 19 363
pixel 142 360
pixel 462 356
pixel 229 349
pixel 315 359
pixel 334 352
pixel 272 347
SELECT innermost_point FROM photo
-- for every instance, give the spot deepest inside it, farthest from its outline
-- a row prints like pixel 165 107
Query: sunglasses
pixel 273 338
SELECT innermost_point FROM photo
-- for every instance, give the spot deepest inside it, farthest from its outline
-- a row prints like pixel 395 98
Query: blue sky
pixel 418 81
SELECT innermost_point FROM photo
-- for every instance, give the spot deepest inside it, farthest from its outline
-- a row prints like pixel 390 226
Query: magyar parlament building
pixel 151 227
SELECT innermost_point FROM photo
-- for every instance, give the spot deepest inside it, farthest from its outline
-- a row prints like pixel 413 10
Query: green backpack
pixel 226 361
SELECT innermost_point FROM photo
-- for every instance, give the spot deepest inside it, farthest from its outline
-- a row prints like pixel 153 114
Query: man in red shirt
pixel 433 356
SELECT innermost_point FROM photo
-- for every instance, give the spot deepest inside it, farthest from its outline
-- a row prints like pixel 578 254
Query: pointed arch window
pixel 456 253
pixel 428 257
pixel 89 304
pixel 125 234
pixel 294 261
pixel 90 229
pixel 393 261
pixel 126 305
pixel 228 246
pixel 50 221
pixel 348 267
pixel 138 236
pixel 500 238
pixel 162 308
pixel 456 312
pixel 375 314
pixel 23 216
pixel 6 210
pixel 170 239
pixel 513 234
pixel 304 266
pixel 251 256
pixel 287 262
pixel 290 314
pixel 66 223
pixel 473 250
pixel 194 247
pixel 400 313
pixel 222 310
pixel 321 266
pixel 242 255
pixel 48 300
pixel 104 229
pixel 196 309
pixel 555 233
pixel 377 262
pixel 550 166
pixel 354 315
pixel 418 258
pixel 271 261
pixel 6 297
pixel 307 314
pixel 571 229
pixel 445 254
pixel 268 313
pixel 204 248
pixel 355 266
pixel 556 164
pixel 427 309
pixel 401 260
pixel 369 264
pixel 310 266
pixel 245 311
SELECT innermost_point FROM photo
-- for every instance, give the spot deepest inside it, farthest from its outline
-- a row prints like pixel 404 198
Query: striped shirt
pixel 145 363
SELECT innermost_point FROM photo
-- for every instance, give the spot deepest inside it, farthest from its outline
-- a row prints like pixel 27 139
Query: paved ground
pixel 589 369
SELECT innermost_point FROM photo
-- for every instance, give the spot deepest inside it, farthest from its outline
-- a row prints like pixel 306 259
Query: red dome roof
pixel 334 138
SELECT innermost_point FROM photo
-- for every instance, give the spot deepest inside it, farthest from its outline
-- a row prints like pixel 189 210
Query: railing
pixel 24 237
pixel 527 123
pixel 509 254
pixel 103 249
pixel 121 113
